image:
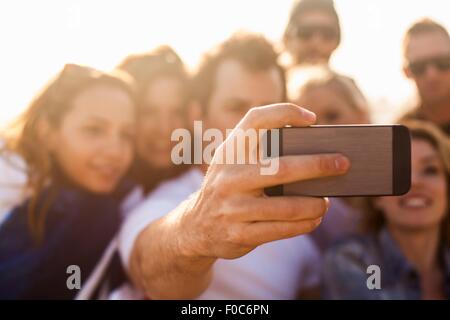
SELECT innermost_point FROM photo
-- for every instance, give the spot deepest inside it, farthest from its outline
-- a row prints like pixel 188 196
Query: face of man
pixel 428 64
pixel 160 114
pixel 237 89
pixel 313 38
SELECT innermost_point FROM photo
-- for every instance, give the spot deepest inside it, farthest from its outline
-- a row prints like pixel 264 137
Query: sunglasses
pixel 307 32
pixel 420 67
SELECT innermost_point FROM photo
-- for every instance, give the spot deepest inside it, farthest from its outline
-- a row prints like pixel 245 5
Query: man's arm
pixel 230 215
pixel 160 267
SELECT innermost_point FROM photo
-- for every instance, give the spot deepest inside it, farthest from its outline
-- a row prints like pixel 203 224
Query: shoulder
pixel 166 197
pixel 346 266
pixel 13 180
pixel 11 164
pixel 170 193
pixel 356 250
pixel 178 187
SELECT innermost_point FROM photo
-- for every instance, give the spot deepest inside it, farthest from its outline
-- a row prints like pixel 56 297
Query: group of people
pixel 87 178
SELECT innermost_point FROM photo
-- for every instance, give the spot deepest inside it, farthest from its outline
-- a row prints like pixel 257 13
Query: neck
pixel 150 177
pixel 419 247
pixel 203 168
pixel 438 112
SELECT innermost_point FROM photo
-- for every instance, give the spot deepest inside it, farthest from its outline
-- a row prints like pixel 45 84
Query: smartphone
pixel 380 157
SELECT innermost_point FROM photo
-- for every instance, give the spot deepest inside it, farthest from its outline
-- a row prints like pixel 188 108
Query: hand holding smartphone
pixel 380 157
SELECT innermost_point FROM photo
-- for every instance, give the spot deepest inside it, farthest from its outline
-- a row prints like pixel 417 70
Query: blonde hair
pixel 146 67
pixel 374 219
pixel 304 79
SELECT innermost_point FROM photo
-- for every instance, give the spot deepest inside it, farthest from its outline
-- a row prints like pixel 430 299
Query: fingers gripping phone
pixel 380 157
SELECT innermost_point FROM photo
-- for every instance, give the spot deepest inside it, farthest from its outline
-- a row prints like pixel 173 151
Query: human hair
pixel 24 136
pixel 424 25
pixel 147 67
pixel 374 219
pixel 303 6
pixel 252 51
pixel 303 79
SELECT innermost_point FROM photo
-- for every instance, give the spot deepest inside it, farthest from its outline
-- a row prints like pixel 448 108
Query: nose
pixel 316 39
pixel 431 72
pixel 416 179
pixel 115 147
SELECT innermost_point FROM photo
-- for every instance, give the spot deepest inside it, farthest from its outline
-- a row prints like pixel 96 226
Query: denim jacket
pixel 346 274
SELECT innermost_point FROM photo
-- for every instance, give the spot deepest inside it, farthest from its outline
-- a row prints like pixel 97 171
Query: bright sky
pixel 39 37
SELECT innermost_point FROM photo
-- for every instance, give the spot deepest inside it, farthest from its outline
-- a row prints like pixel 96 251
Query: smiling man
pixel 212 233
pixel 427 62
pixel 313 32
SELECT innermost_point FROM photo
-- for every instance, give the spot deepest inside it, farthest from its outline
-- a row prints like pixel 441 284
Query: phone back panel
pixel 369 149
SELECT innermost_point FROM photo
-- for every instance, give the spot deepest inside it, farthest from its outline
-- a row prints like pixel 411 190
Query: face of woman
pixel 425 205
pixel 330 107
pixel 93 145
pixel 160 115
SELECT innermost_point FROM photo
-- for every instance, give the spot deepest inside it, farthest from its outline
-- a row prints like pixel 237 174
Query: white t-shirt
pixel 276 270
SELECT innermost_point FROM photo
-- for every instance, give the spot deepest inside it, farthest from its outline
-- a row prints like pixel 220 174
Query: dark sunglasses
pixel 307 32
pixel 418 68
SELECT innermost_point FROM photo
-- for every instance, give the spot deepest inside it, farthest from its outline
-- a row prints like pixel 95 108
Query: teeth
pixel 107 171
pixel 415 202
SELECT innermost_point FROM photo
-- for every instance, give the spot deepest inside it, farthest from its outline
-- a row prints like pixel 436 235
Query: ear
pixel 46 135
pixel 407 72
pixel 336 45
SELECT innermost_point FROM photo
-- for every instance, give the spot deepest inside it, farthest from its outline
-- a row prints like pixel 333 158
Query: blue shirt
pixel 345 269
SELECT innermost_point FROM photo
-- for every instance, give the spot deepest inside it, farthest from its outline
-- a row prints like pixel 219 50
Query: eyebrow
pixel 102 121
pixel 235 100
pixel 430 158
pixel 96 118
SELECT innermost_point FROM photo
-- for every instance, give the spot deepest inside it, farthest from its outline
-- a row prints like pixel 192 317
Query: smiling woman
pixel 407 237
pixel 76 139
pixel 162 92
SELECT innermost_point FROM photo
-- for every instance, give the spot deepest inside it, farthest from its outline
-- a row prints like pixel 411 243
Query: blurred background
pixel 39 37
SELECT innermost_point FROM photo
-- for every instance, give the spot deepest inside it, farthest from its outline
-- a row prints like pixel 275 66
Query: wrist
pixel 185 243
